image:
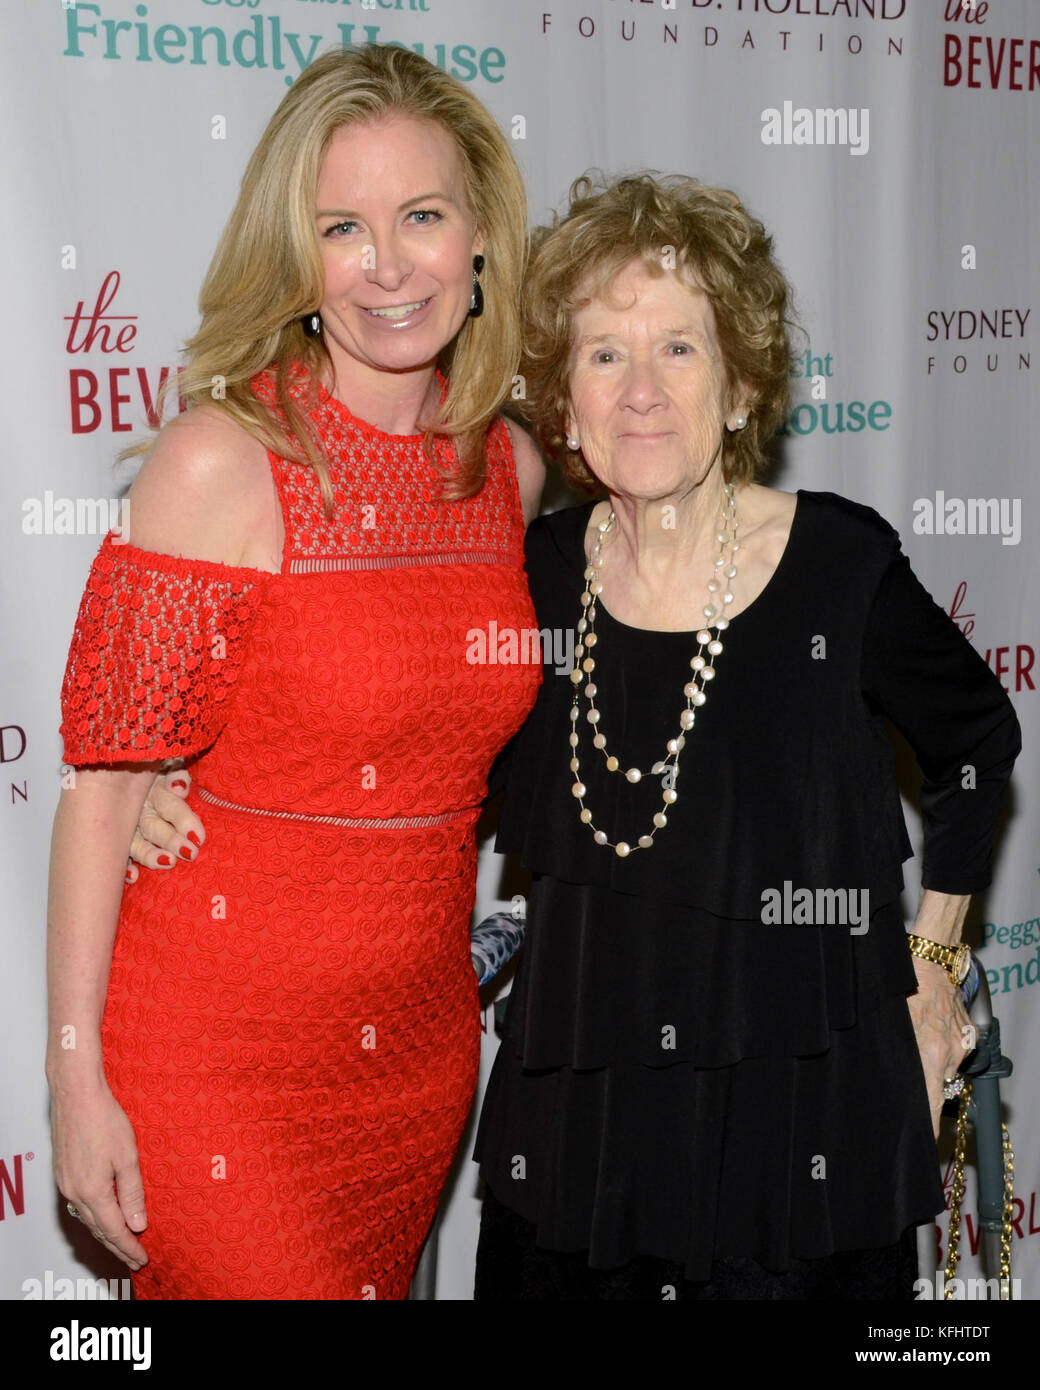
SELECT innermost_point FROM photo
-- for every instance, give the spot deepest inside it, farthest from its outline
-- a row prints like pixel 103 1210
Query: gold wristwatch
pixel 955 960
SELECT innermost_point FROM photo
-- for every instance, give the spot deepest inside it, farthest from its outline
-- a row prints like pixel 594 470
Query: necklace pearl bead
pixel 693 690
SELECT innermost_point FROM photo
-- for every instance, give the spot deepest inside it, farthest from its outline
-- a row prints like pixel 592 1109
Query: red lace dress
pixel 292 1022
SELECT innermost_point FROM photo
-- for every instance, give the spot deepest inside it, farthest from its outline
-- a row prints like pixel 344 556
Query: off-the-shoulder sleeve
pixel 934 686
pixel 155 653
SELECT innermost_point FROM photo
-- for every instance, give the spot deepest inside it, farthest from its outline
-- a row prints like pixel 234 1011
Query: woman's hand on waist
pixel 168 832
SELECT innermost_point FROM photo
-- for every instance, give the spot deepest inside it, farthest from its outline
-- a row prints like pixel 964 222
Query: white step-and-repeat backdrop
pixel 907 222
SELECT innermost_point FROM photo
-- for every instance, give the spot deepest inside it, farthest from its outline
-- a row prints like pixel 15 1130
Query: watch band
pixel 955 960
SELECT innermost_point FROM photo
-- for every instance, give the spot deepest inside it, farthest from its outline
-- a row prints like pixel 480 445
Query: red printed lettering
pixel 81 399
pixel 14 1189
pixel 97 325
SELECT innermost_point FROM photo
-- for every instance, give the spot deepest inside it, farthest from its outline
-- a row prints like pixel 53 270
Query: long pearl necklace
pixel 694 690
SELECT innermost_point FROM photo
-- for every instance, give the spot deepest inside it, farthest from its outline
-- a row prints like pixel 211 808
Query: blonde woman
pixel 276 1048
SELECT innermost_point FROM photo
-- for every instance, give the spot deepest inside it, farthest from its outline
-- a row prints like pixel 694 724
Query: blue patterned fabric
pixel 493 943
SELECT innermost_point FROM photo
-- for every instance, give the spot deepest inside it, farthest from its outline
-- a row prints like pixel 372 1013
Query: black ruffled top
pixel 663 958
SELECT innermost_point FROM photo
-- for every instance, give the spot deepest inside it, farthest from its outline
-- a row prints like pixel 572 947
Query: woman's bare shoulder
pixel 530 469
pixel 767 504
pixel 766 514
pixel 203 491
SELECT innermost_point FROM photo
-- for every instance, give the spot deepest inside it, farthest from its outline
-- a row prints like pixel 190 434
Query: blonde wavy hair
pixel 267 272
pixel 715 243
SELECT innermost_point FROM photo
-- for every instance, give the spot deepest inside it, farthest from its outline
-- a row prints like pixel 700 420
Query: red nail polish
pixel 164 859
pixel 193 837
pixel 180 782
pixel 184 852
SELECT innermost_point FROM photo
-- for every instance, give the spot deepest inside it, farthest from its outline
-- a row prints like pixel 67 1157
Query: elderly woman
pixel 724 1057
pixel 723 1061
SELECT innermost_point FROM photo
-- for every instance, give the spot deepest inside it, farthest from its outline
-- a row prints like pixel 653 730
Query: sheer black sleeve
pixel 924 674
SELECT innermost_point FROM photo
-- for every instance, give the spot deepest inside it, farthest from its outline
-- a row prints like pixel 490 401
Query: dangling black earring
pixel 311 325
pixel 476 303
